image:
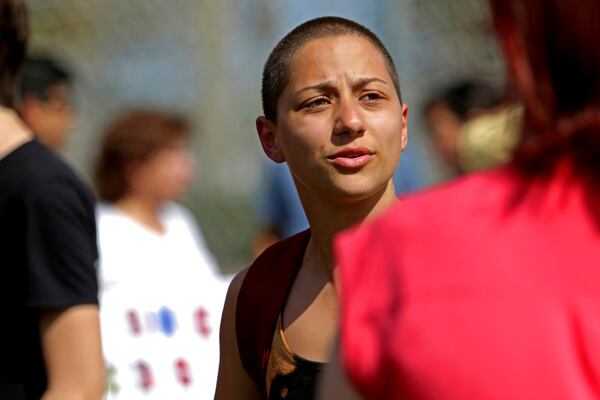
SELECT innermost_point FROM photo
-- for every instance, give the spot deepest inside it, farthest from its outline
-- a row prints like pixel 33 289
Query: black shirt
pixel 47 258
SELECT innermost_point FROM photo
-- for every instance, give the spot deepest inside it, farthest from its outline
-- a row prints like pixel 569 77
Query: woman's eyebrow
pixel 361 82
pixel 322 86
pixel 330 85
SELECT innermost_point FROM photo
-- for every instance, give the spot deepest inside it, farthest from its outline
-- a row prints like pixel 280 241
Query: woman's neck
pixel 143 209
pixel 328 218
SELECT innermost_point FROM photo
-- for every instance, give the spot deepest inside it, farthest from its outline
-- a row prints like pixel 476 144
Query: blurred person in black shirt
pixel 50 340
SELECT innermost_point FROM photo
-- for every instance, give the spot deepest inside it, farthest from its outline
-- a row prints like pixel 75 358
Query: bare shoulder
pixel 229 309
pixel 236 284
pixel 233 381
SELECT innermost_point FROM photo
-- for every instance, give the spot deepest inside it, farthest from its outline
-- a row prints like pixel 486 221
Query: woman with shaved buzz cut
pixel 333 112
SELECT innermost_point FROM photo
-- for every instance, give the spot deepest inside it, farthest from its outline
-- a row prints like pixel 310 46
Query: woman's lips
pixel 355 158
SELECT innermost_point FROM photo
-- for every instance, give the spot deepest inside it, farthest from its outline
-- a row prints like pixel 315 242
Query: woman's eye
pixel 371 96
pixel 316 103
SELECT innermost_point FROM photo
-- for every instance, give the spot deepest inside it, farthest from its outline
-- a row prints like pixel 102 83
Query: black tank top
pixel 290 376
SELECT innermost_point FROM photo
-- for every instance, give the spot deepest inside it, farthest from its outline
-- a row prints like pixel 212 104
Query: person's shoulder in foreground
pixel 444 204
pixel 443 209
pixel 444 273
pixel 39 167
pixel 434 223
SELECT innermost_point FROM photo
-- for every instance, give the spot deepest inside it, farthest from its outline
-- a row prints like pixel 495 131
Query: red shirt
pixel 484 288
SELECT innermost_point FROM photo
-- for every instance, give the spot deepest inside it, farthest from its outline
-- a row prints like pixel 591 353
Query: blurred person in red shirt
pixel 489 287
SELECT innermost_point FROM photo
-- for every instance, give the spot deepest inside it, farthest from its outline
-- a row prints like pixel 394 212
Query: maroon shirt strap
pixel 260 300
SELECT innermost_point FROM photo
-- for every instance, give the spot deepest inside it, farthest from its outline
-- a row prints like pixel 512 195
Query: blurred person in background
pixel 447 111
pixel 50 337
pixel 333 112
pixel 160 289
pixel 489 287
pixel 46 101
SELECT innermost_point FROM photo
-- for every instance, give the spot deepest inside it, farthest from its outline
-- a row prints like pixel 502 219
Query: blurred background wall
pixel 204 59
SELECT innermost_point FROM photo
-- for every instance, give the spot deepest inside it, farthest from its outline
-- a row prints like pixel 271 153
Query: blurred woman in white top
pixel 159 284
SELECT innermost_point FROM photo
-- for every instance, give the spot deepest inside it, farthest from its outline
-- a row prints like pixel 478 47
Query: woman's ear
pixel 267 134
pixel 404 126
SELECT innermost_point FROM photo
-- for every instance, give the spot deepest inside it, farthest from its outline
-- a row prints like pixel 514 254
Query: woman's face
pixel 167 174
pixel 340 125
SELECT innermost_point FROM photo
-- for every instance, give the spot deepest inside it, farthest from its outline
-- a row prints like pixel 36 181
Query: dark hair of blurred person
pixel 489 287
pixel 50 339
pixel 448 110
pixel 144 162
pixel 45 105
